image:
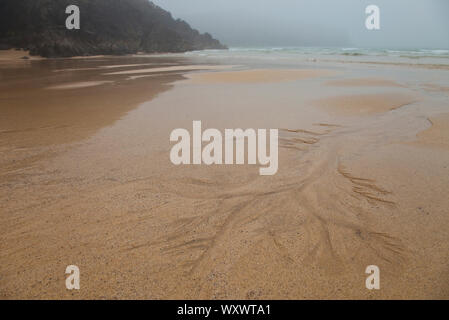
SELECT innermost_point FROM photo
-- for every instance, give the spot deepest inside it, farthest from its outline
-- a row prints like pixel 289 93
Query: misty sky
pixel 404 23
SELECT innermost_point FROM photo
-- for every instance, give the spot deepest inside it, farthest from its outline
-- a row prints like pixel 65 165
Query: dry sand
pixel 86 180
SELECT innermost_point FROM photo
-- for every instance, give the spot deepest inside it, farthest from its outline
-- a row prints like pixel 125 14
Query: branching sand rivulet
pixel 96 188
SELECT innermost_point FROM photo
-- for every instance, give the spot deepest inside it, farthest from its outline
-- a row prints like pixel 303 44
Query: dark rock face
pixel 107 27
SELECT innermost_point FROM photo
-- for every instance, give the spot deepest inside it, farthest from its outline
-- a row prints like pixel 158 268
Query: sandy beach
pixel 86 179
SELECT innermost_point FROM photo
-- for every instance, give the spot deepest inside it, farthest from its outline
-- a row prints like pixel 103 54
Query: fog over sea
pixel 437 57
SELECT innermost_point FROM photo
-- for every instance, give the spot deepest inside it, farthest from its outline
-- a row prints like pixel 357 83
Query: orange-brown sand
pixel 257 76
pixel 438 134
pixel 36 120
pixel 365 104
pixel 85 179
pixel 11 56
pixel 364 82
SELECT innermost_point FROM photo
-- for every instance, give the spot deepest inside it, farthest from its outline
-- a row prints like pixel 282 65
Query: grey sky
pixel 404 23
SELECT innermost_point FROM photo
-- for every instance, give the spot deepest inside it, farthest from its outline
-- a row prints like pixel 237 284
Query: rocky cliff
pixel 107 27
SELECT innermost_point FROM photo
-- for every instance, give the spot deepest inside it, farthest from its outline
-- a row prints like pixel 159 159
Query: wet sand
pixel 358 104
pixel 167 69
pixel 77 85
pixel 438 134
pixel 364 82
pixel 257 76
pixel 16 56
pixel 86 179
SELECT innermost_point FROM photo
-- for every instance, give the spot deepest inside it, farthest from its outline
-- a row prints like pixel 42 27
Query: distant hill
pixel 107 27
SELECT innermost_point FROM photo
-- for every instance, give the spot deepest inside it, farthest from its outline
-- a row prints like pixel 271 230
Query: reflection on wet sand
pixel 365 103
pixel 27 106
pixel 86 179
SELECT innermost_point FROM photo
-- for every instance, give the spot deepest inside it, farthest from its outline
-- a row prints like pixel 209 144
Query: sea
pixel 427 57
